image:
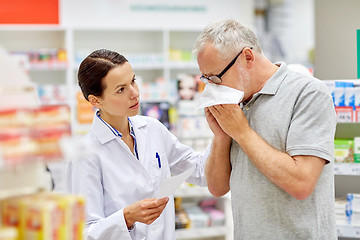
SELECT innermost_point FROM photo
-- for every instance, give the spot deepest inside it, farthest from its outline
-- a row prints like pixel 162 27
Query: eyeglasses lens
pixel 214 79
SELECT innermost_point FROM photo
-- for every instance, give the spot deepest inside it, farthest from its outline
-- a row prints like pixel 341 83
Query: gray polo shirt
pixel 294 114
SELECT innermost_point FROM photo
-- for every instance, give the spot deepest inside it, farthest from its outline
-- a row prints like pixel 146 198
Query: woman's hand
pixel 144 211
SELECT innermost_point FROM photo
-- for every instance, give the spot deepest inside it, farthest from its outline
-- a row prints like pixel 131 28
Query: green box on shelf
pixel 357 149
pixel 344 150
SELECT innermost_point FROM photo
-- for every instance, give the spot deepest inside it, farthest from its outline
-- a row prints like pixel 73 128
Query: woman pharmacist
pixel 133 154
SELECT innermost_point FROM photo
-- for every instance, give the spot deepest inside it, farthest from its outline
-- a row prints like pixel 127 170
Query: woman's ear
pixel 95 101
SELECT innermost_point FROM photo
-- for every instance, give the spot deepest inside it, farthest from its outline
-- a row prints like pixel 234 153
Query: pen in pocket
pixel 158 158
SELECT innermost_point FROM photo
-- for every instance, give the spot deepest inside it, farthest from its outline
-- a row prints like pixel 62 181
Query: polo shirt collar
pixel 272 85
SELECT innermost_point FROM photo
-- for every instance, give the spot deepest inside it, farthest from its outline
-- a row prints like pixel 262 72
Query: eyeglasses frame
pixel 206 79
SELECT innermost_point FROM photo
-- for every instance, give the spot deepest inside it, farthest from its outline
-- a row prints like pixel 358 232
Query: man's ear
pixel 249 55
pixel 95 101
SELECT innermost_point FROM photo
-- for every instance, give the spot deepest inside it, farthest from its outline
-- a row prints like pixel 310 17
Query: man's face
pixel 211 64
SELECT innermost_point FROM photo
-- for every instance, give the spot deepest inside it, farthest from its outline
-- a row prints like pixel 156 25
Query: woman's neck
pixel 119 123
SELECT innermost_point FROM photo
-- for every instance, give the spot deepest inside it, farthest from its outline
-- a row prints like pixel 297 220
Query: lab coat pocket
pixel 159 168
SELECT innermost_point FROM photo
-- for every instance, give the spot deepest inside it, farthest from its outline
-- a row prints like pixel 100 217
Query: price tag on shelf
pixel 357 114
pixel 356 169
pixel 348 231
pixel 347 168
pixel 344 114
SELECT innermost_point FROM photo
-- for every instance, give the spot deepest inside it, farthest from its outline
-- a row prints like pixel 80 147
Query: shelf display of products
pixel 33 134
pixel 46 216
pixel 347 172
pixel 160 64
pixel 52 94
pixel 198 215
pixel 346 98
pixel 41 59
pixel 347 150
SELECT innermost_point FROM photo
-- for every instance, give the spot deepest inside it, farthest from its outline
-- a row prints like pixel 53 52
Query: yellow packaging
pixel 45 216
pixel 11 211
pixel 43 219
pixel 75 216
pixel 74 209
pixel 8 233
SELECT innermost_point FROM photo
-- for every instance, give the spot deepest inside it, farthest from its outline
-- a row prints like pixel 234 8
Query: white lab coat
pixel 110 177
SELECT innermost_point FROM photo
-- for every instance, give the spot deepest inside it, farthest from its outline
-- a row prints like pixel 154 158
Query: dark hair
pixel 94 68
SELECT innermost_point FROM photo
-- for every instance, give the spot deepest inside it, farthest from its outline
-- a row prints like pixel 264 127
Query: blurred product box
pixel 181 220
pixel 357 149
pixel 340 210
pixel 45 216
pixel 33 134
pixel 346 99
pixel 344 150
pixel 353 209
pixel 8 233
pixel 50 94
pixel 354 201
pixel 85 111
pixel 198 218
pixel 158 110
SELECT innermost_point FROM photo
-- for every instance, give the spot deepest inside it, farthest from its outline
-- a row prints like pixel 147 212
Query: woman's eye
pixel 120 90
pixel 133 81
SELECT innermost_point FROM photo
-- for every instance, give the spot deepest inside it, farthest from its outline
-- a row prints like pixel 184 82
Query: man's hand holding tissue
pixel 214 125
pixel 218 100
pixel 229 118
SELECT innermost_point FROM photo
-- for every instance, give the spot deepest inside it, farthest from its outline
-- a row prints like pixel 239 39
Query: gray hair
pixel 228 37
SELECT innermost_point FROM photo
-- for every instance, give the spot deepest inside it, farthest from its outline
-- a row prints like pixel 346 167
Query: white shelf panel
pixel 182 65
pixel 147 66
pixel 347 169
pixel 348 231
pixel 137 66
pixel 23 179
pixel 31 27
pixel 200 233
pixel 186 192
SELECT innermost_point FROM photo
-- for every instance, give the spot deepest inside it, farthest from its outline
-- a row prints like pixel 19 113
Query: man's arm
pixel 296 175
pixel 218 168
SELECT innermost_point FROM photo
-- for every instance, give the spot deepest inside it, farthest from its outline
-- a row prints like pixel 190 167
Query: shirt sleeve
pixel 84 179
pixel 313 123
pixel 182 157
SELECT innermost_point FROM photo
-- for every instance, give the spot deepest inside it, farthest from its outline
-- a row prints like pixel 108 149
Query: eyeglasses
pixel 217 78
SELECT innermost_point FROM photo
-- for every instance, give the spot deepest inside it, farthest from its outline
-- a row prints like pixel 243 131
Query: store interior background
pixel 319 34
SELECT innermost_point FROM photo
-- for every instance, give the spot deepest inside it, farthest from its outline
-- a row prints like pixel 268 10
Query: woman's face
pixel 120 97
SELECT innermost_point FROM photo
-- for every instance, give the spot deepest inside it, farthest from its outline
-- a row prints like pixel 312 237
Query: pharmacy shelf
pixel 224 203
pixel 200 233
pixel 347 169
pixel 344 175
pixel 347 231
pixel 151 59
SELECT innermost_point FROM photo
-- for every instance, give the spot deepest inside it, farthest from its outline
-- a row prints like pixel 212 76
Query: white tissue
pixel 215 94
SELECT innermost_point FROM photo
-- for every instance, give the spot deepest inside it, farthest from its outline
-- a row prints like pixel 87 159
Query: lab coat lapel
pixel 140 134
